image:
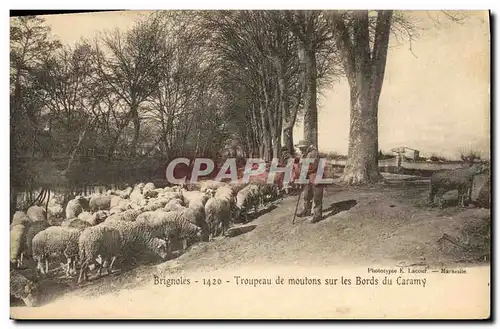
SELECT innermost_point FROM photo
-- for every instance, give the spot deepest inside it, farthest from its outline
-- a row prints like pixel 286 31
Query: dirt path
pixel 379 226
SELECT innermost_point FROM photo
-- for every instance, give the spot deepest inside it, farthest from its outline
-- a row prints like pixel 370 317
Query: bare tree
pixel 313 33
pixel 263 56
pixel 182 108
pixel 238 39
pixel 30 43
pixel 131 69
pixel 67 85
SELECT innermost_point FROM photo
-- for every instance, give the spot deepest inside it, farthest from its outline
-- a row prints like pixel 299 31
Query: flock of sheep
pixel 92 232
pixel 95 231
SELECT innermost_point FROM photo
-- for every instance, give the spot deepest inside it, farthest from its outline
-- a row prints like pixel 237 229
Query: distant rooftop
pixel 396 149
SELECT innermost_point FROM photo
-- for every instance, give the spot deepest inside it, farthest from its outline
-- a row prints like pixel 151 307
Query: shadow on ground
pixel 238 230
pixel 340 206
pixel 333 209
pixel 254 215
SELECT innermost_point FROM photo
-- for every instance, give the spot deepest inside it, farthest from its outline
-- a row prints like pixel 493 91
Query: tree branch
pixel 379 56
pixel 344 45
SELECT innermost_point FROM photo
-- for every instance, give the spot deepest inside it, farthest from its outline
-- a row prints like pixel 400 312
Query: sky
pixel 436 91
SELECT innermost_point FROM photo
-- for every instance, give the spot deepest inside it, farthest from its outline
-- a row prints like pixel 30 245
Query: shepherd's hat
pixel 302 144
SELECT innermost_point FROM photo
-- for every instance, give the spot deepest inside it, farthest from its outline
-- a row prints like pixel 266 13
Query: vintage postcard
pixel 250 164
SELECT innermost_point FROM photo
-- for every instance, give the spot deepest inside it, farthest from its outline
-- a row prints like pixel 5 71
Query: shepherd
pixel 312 192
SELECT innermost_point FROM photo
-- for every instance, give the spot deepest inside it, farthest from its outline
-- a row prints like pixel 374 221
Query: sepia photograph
pixel 250 164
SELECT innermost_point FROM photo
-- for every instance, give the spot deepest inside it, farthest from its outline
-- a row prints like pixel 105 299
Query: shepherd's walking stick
pixel 297 205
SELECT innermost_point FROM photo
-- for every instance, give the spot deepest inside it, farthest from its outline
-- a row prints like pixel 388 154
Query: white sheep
pixel 134 206
pixel 56 201
pixel 157 222
pixel 86 215
pixel 20 217
pixel 75 223
pixel 55 211
pixel 173 205
pixel 101 202
pixel 149 190
pixel 226 192
pixel 125 194
pixel 125 204
pixel 75 207
pixel 218 211
pixel 248 197
pixel 115 210
pixel 115 201
pixel 136 238
pixel 195 202
pixel 137 197
pixel 171 195
pixel 122 206
pixel 210 184
pixel 156 204
pixel 55 241
pixel 17 244
pixel 149 187
pixel 98 244
pixel 194 198
pixel 36 213
pixel 168 189
pixel 31 231
pixel 170 226
pixel 196 216
pixel 98 217
pixel 128 216
pixel 139 186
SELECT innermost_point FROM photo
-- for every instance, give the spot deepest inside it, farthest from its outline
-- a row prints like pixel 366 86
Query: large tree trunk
pixel 268 148
pixel 365 74
pixel 121 127
pixel 269 121
pixel 288 138
pixel 379 59
pixel 283 107
pixel 75 150
pixel 362 162
pixel 310 104
pixel 291 116
pixel 276 131
pixel 256 133
pixel 267 151
pixel 137 129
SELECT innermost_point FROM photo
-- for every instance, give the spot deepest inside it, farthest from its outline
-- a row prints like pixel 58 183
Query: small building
pixel 407 152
